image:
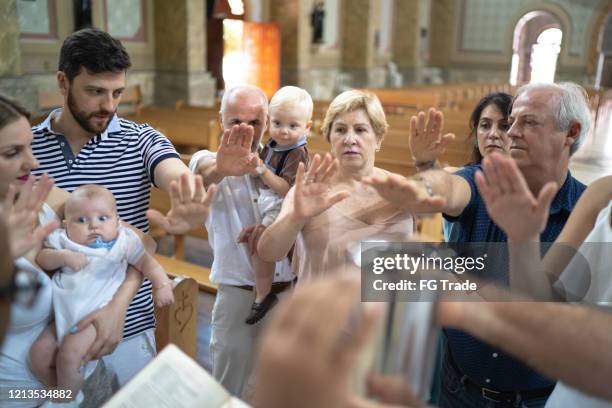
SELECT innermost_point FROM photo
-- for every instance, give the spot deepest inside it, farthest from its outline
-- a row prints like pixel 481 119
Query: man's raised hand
pixel 235 156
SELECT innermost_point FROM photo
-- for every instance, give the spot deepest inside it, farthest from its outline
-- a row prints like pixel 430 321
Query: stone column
pixel 180 50
pixel 357 39
pixel 13 83
pixel 407 38
pixel 442 31
pixel 10 51
pixel 286 13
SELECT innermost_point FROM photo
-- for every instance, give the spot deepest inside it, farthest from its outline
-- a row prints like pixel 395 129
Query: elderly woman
pixel 329 210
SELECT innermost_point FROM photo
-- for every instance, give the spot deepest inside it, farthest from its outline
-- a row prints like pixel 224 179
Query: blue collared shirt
pixel 484 364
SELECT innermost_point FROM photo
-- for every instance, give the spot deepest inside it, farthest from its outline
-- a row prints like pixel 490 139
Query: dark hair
pixel 502 101
pixel 10 111
pixel 93 49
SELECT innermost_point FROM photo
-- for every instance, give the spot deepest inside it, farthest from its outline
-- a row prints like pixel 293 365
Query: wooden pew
pixel 178 323
pixel 177 267
pixel 189 131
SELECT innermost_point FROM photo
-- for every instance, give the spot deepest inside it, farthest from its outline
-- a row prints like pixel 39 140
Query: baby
pixel 290 121
pixel 93 251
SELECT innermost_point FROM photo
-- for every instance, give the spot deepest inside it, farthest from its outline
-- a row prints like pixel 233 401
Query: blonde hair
pixel 88 191
pixel 353 100
pixel 292 97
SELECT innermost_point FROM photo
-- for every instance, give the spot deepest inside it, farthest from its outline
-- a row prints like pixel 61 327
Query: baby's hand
pixel 245 234
pixel 75 260
pixel 250 236
pixel 163 295
pixel 259 162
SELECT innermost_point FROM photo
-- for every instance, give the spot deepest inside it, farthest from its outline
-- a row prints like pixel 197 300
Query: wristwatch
pixel 260 169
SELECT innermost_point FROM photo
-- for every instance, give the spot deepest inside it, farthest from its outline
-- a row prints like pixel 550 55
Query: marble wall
pixel 472 39
pixel 166 61
pixel 180 49
pixel 10 54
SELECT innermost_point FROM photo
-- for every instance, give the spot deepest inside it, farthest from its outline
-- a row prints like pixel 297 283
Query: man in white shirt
pixel 243 116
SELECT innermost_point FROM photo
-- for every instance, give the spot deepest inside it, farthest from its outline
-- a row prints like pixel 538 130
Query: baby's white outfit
pixel 76 294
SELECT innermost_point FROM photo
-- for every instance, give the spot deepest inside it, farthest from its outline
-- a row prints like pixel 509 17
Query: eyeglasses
pixel 22 288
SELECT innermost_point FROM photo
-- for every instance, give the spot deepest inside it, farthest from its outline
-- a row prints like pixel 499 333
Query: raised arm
pixel 22 215
pixel 523 217
pixel 426 140
pixel 309 197
pixel 234 157
pixel 189 207
pixel 428 192
pixel 433 189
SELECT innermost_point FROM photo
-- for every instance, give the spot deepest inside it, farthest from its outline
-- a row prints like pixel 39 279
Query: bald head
pixel 245 104
pixel 248 93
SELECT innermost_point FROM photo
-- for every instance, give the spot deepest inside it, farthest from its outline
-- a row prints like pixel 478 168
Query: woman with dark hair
pixel 29 218
pixel 488 127
pixel 488 120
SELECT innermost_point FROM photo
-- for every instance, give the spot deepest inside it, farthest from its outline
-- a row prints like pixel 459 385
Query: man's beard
pixel 83 118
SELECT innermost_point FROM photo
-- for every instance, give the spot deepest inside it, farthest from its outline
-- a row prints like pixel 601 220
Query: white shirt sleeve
pixel 53 240
pixel 195 158
pixel 134 246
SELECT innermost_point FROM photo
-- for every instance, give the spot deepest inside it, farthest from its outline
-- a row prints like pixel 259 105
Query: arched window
pixel 604 64
pixel 536 45
pixel 544 55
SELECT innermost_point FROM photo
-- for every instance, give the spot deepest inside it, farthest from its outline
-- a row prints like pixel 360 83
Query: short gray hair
pixel 572 106
pixel 228 94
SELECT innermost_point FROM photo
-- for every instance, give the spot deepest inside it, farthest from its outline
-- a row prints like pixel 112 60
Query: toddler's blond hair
pixel 292 97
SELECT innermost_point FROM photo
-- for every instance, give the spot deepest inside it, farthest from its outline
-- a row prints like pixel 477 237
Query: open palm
pixel 22 215
pixel 187 210
pixel 312 196
pixel 234 157
pixel 426 140
pixel 510 203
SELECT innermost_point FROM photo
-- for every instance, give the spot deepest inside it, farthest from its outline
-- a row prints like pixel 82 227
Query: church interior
pixel 412 54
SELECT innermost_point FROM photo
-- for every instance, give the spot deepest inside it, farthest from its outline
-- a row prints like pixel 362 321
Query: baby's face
pixel 92 218
pixel 287 125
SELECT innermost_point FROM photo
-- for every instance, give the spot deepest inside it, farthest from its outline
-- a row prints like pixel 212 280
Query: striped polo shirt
pixel 123 159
